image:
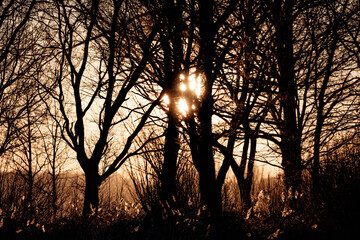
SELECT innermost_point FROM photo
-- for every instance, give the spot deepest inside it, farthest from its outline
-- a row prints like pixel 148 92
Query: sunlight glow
pixel 192 84
pixel 183 87
pixel 198 91
pixel 165 99
pixel 183 107
pixel 195 84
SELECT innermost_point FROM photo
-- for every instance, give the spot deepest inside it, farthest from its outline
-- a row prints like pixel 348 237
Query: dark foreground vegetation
pixel 333 215
pixel 336 219
pixel 152 119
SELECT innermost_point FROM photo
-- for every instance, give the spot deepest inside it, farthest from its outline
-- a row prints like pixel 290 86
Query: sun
pixel 183 106
pixel 191 84
pixel 190 87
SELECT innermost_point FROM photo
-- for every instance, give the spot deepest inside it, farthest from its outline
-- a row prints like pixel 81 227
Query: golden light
pixel 183 87
pixel 198 90
pixel 193 84
pixel 165 99
pixel 183 106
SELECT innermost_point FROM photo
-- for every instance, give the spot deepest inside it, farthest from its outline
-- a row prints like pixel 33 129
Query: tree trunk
pixel 210 196
pixel 289 132
pixel 316 160
pixel 54 194
pixel 91 199
pixel 171 149
pixel 292 169
pixel 202 155
pixel 249 175
pixel 28 203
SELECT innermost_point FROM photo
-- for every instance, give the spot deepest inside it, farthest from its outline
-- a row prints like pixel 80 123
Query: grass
pixel 333 215
pixel 270 218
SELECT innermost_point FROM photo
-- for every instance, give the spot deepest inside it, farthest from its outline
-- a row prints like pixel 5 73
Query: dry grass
pixel 332 215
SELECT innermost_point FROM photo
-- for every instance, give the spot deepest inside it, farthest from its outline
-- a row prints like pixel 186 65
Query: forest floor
pixel 291 226
pixel 335 215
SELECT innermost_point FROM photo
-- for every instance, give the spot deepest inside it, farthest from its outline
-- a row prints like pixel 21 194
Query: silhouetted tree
pixel 17 62
pixel 27 158
pixel 334 83
pixel 104 47
pixel 243 83
pixel 23 56
pixel 283 14
pixel 55 153
pixel 314 80
pixel 210 59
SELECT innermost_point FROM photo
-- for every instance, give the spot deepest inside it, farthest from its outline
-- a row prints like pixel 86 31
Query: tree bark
pixel 289 132
pixel 171 149
pixel 92 183
pixel 210 197
pixel 249 175
pixel 209 194
pixel 316 158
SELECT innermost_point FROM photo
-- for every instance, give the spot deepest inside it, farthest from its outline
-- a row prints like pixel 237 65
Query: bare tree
pixel 166 69
pixel 333 83
pixel 16 62
pixel 55 156
pixel 22 61
pixel 210 59
pixel 104 48
pixel 168 73
pixel 283 16
pixel 28 160
pixel 243 99
pixel 314 79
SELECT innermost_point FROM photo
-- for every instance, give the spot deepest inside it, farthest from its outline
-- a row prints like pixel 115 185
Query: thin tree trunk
pixel 316 160
pixel 249 175
pixel 28 210
pixel 54 193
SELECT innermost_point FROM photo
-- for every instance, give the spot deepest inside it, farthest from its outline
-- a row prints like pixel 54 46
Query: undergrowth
pixel 332 215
